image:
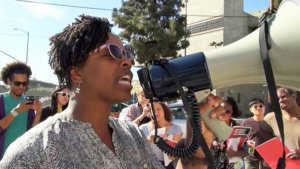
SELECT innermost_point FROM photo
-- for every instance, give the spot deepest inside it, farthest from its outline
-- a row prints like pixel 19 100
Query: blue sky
pixel 43 21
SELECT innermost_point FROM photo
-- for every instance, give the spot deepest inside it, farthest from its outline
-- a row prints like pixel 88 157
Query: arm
pixel 7 120
pixel 37 106
pixel 177 137
pixel 146 111
pixel 198 160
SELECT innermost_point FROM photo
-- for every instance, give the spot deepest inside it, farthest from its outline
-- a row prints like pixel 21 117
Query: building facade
pixel 217 23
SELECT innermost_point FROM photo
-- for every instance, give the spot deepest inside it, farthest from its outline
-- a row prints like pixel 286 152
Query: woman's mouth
pixel 126 79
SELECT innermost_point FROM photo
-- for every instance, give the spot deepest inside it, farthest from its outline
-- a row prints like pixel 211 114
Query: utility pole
pixel 27 33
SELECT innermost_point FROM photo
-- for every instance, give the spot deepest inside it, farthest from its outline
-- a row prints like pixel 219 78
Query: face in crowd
pixel 162 112
pixel 287 99
pixel 142 98
pixel 257 108
pixel 63 97
pixel 228 110
pixel 159 112
pixel 18 84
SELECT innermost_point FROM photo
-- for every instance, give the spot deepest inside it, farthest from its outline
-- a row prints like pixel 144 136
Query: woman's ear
pixel 75 75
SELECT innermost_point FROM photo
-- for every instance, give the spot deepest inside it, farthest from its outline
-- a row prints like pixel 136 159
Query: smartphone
pixel 31 101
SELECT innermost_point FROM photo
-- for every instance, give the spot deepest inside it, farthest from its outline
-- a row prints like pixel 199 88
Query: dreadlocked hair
pixel 14 68
pixel 71 47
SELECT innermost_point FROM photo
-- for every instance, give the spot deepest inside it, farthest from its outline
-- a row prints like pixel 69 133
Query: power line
pixel 19 35
pixel 103 9
pixel 222 15
pixel 9 55
pixel 70 6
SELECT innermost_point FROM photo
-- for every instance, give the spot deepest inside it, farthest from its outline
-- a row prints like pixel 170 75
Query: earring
pixel 77 89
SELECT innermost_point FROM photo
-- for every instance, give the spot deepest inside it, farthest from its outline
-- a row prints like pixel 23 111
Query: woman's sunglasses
pixel 64 94
pixel 258 106
pixel 116 52
pixel 18 83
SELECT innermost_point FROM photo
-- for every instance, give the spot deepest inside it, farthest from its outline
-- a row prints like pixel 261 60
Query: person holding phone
pixel 17 114
pixel 59 102
pixel 138 113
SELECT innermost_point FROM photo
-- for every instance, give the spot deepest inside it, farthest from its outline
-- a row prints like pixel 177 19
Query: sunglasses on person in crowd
pixel 116 52
pixel 64 94
pixel 258 106
pixel 18 83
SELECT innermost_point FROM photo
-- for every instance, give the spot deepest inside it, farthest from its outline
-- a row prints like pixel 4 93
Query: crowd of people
pixel 76 132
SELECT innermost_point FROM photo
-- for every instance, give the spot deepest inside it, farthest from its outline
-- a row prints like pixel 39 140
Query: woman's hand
pixel 198 160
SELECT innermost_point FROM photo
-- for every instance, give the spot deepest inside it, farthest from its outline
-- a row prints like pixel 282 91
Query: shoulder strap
pixel 265 45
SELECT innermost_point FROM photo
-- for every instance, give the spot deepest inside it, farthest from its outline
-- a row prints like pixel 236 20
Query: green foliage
pixel 154 28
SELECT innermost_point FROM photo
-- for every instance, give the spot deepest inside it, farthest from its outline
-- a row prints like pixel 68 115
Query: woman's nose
pixel 127 62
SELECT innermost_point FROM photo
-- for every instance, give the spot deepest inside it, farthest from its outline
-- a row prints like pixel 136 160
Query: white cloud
pixel 44 10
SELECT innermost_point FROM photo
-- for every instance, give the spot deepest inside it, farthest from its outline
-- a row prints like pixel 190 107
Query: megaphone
pixel 237 63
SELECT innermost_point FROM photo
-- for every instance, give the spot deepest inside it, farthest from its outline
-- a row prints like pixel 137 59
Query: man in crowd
pixel 291 121
pixel 16 112
pixel 260 132
pixel 139 112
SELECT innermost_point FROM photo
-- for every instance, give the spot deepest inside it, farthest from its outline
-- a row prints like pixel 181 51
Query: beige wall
pixel 234 24
pixel 200 42
pixel 199 10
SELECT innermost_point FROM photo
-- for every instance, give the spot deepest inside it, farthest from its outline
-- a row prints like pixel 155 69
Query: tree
pixel 154 28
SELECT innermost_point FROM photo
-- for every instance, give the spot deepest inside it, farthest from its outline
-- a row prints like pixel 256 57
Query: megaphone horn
pixel 240 62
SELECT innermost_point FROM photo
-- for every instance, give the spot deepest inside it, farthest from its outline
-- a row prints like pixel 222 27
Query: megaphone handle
pixel 220 129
